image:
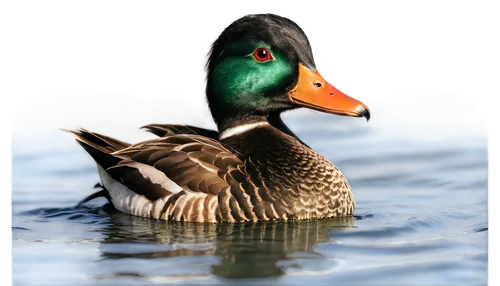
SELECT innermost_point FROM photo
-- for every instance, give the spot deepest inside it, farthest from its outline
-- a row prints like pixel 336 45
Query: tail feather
pixel 99 146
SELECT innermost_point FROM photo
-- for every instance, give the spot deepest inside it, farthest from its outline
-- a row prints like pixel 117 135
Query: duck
pixel 253 168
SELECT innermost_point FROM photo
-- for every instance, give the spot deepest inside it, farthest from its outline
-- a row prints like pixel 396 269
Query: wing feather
pixel 162 130
pixel 185 175
pixel 190 169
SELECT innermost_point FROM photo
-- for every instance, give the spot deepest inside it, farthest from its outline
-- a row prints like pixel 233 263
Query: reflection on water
pixel 249 250
pixel 421 218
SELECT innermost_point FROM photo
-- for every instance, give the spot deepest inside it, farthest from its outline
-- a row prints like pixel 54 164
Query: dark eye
pixel 262 54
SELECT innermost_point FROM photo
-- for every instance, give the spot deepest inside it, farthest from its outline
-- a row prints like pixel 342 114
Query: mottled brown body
pixel 263 174
pixel 296 181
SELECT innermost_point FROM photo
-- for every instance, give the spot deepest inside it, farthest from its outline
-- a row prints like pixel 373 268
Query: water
pixel 421 218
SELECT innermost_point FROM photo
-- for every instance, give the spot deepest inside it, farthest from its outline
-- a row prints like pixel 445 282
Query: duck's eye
pixel 262 54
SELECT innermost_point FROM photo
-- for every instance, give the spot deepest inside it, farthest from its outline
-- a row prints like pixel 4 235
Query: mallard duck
pixel 254 168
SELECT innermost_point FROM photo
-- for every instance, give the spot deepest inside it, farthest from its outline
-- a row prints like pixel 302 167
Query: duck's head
pixel 262 65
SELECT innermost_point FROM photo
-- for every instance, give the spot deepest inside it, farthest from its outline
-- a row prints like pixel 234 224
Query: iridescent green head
pixel 253 72
pixel 252 65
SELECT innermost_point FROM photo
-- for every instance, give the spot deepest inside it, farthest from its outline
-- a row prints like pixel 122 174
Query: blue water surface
pixel 421 218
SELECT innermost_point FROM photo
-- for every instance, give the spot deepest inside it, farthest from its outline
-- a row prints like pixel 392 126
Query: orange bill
pixel 313 91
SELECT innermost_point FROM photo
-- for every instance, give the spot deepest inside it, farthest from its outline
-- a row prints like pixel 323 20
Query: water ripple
pixel 33 157
pixel 401 157
pixel 386 248
pixel 74 172
pixel 85 215
pixel 377 232
pixel 415 272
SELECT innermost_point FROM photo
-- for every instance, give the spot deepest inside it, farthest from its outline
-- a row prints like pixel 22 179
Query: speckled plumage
pixel 297 181
pixel 234 180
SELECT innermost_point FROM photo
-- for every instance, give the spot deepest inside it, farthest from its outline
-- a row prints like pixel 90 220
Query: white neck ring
pixel 241 129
